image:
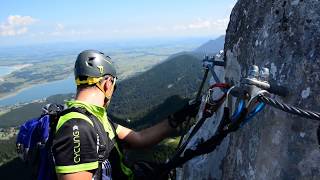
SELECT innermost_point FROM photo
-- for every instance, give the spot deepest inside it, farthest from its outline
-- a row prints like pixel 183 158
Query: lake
pixel 41 91
pixel 4 70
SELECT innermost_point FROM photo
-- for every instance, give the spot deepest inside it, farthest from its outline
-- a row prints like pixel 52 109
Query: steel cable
pixel 289 109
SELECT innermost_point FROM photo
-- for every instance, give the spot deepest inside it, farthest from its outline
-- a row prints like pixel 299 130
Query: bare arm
pixel 84 175
pixel 153 135
pixel 146 137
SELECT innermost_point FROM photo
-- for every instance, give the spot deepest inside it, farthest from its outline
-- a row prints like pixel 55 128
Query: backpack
pixel 34 141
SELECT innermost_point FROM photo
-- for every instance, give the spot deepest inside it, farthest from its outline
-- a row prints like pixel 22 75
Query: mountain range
pixel 211 47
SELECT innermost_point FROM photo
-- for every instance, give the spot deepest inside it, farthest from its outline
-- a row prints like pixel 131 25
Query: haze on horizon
pixel 37 22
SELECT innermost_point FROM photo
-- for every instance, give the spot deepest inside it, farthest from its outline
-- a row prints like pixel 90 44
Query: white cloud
pixel 204 24
pixel 79 33
pixel 61 31
pixel 18 20
pixel 22 30
pixel 16 25
pixel 200 24
pixel 58 30
pixel 220 23
pixel 161 29
pixel 59 27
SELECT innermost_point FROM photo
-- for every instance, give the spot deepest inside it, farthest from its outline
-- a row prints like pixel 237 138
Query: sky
pixel 43 21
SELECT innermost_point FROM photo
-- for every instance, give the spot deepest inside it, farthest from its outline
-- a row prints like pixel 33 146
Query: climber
pixel 77 144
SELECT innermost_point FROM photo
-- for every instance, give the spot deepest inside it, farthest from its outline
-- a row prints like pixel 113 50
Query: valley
pixel 154 83
pixel 52 66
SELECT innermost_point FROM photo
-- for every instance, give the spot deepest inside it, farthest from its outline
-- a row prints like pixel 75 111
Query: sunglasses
pixel 113 80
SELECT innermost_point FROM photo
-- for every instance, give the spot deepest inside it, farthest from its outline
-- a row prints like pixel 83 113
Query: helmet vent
pixel 90 61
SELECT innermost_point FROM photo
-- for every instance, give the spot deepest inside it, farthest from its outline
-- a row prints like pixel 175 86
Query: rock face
pixel 285 37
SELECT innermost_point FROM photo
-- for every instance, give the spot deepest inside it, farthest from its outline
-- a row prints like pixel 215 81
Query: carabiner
pixel 211 106
pixel 227 95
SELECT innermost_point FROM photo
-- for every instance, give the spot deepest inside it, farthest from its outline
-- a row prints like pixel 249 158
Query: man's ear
pixel 107 84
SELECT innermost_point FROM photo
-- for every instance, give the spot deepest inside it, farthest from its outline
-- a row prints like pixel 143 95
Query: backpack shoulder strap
pixel 103 149
pixel 113 129
pixel 98 126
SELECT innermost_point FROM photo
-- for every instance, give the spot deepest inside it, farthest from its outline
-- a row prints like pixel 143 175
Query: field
pixel 53 65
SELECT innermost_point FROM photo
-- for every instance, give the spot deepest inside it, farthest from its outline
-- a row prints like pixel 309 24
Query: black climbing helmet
pixel 94 65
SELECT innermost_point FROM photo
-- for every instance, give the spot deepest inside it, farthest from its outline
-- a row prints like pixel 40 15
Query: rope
pixel 289 109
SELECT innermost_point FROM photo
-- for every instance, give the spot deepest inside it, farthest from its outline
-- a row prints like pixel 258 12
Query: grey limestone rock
pixel 283 35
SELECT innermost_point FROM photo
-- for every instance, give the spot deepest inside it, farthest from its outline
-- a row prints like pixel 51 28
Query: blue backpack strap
pixel 48 125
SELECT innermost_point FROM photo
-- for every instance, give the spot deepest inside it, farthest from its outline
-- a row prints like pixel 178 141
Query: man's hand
pixel 188 111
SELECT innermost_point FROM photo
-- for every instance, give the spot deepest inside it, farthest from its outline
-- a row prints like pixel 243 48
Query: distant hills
pixel 177 78
pixel 211 47
pixel 153 95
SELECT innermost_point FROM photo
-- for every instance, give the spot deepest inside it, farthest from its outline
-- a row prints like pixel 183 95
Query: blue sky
pixel 40 21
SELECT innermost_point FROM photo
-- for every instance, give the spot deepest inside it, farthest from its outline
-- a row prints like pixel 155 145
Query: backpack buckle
pixel 101 153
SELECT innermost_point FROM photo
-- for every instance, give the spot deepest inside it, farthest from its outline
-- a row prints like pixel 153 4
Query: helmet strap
pixel 104 92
